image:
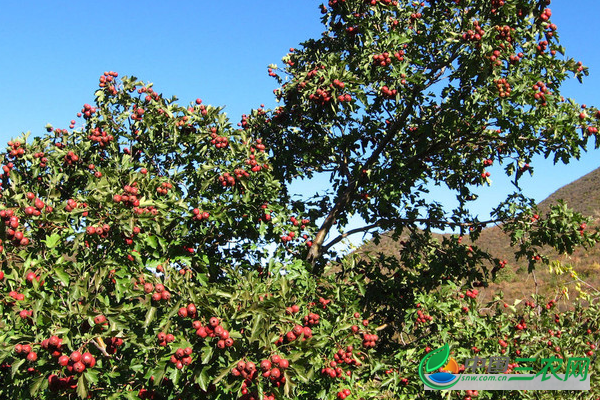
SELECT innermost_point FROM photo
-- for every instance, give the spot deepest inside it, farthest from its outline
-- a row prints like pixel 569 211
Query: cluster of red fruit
pixel 422 318
pixel 334 370
pixel 6 169
pixel 242 173
pixel 43 160
pixel 475 34
pixel 383 2
pixel 389 93
pixel 129 195
pixel 12 222
pixel 220 142
pixel 542 46
pixel 384 59
pixel 227 180
pixel 25 350
pixel 77 362
pixel 504 33
pixel 303 222
pixel 502 344
pixel 107 77
pixel 181 357
pixel 213 329
pixel 298 330
pixel 503 263
pixel 320 96
pixel 56 383
pixel 292 310
pixel 72 204
pixel 164 338
pixel 100 230
pixel 25 314
pixel 503 86
pixel 112 344
pixel 342 394
pixel 99 136
pixel 274 368
pixel 15 295
pixel 496 4
pixel 251 161
pixel 582 227
pixel 160 293
pixel 288 237
pixel 164 188
pixel 16 149
pixel 38 205
pixel 324 302
pixel 200 215
pixel 87 111
pixel 137 113
pixel 469 293
pixel 546 14
pixel 550 304
pixel 71 158
pixel 152 95
pixel 470 394
pixel 311 319
pixel 521 325
pixel 245 370
pixel 369 341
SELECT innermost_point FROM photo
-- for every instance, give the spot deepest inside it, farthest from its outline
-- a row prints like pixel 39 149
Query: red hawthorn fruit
pixel 88 359
pixel 229 342
pixel 75 356
pixel 166 295
pixel 214 322
pixel 99 319
pixel 170 338
pixel 148 287
pixel 298 330
pixel 63 360
pixel 201 332
pixel 54 341
pixel 221 344
pixel 275 374
pixel 32 356
pixel 265 365
pixel 183 312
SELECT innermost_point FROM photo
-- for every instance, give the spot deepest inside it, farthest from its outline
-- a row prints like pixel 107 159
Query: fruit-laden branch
pixel 345 198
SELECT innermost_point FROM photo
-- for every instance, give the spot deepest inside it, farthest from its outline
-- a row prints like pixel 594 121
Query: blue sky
pixel 52 53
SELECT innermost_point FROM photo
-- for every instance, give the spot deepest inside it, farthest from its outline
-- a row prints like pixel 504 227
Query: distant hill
pixel 582 195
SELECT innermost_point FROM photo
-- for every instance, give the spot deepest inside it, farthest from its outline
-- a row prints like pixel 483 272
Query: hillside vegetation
pixel 582 195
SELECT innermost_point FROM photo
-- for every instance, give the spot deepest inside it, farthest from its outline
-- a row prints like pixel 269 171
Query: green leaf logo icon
pixel 438 358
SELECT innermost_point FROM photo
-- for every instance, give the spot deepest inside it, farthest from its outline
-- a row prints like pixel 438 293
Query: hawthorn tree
pixel 153 251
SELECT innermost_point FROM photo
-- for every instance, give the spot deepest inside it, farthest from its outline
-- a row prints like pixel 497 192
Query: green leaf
pixel 207 354
pixel 62 276
pixel 52 240
pixel 38 384
pixel 203 379
pixel 82 389
pixel 150 314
